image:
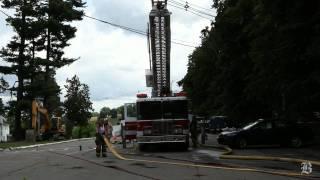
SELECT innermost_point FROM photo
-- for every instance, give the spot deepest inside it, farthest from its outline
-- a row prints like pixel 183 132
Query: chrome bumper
pixel 162 139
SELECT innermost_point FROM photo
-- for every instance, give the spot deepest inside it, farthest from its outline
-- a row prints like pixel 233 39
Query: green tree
pixel 104 112
pixel 40 26
pixel 57 31
pixel 113 113
pixel 16 52
pixel 95 114
pixel 3 85
pixel 120 110
pixel 2 108
pixel 52 91
pixel 77 105
pixel 257 60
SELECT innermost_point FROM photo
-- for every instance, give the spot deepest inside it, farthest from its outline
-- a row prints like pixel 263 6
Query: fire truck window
pixel 149 110
pixel 175 109
pixel 131 110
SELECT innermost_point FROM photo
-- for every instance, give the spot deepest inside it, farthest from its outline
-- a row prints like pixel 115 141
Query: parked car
pixel 268 132
pixel 217 123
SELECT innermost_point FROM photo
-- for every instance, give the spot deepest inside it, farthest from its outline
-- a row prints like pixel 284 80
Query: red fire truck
pixel 129 124
pixel 163 120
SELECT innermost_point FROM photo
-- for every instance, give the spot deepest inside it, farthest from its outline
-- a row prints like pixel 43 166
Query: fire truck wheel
pixel 186 146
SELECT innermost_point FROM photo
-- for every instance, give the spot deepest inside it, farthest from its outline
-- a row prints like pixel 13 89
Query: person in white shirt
pixel 101 131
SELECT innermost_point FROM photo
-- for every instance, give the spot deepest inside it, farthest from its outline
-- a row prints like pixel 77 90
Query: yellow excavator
pixel 44 127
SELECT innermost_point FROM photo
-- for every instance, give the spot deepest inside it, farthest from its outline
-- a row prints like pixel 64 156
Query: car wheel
pixel 241 143
pixel 296 142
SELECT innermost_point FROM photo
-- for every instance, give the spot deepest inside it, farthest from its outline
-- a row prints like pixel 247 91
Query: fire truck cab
pixel 162 120
pixel 129 124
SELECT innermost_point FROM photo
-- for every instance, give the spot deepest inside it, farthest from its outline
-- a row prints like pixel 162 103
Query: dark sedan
pixel 267 132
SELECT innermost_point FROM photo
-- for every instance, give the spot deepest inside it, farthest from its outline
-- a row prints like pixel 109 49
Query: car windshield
pixel 250 125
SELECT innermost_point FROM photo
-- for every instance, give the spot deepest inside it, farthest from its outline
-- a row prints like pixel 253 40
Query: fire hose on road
pixel 228 152
pixel 281 173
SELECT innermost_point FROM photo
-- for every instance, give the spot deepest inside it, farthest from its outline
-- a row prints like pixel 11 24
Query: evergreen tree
pixel 77 105
pixel 2 109
pixel 3 85
pixel 40 25
pixel 16 52
pixel 57 17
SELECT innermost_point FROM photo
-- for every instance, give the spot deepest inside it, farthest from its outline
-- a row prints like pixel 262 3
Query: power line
pixel 189 6
pixel 127 29
pixel 5 13
pixel 195 13
pixel 118 26
pixel 186 7
pixel 192 10
pixel 182 44
pixel 182 41
pixel 186 2
pixel 135 30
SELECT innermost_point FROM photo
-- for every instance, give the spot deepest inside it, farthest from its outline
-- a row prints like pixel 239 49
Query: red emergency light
pixel 142 95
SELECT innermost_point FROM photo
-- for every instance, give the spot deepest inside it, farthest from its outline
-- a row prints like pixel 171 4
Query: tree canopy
pixel 77 105
pixel 104 112
pixel 259 59
pixel 40 27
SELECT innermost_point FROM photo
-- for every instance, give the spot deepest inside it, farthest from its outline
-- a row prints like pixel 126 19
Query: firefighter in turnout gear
pixel 194 131
pixel 102 129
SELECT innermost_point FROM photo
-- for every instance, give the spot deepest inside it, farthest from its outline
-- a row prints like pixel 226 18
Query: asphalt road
pixel 66 161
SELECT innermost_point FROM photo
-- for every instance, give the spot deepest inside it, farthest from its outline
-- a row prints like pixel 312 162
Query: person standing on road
pixel 101 131
pixel 194 131
pixel 203 132
pixel 109 129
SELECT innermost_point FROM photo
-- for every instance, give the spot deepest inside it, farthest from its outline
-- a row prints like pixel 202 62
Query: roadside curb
pixel 47 144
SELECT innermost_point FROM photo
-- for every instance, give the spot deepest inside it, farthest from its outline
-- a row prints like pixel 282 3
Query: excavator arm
pixel 37 109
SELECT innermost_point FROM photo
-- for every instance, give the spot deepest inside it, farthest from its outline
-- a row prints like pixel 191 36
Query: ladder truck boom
pixel 162 118
pixel 160 42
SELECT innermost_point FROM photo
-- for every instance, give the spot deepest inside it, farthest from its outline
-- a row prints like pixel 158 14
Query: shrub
pixel 83 132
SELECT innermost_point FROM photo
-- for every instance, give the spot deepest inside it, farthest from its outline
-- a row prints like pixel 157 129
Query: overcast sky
pixel 113 61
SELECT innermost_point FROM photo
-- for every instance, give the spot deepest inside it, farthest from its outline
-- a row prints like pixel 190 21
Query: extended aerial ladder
pixel 162 118
pixel 159 41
